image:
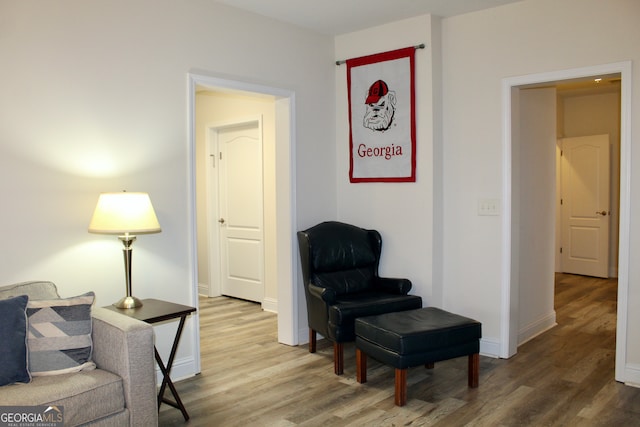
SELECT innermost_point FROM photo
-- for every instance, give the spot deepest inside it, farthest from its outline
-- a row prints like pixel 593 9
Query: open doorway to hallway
pixel 525 283
pixel 235 195
pixel 554 117
pixel 280 248
pixel 588 112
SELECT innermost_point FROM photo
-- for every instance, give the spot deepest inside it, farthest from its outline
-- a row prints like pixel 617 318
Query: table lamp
pixel 126 214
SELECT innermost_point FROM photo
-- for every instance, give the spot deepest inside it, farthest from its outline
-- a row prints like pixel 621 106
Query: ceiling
pixel 334 17
pixel 583 85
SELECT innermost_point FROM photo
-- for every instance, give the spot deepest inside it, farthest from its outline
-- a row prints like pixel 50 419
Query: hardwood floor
pixel 564 377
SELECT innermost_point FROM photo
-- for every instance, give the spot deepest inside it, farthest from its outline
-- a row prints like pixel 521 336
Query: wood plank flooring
pixel 564 377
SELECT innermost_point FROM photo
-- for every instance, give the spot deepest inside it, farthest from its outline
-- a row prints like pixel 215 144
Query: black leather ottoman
pixel 416 337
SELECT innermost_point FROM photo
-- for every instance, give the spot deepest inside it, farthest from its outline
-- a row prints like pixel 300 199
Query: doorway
pixel 511 189
pixel 235 209
pixel 283 229
pixel 559 175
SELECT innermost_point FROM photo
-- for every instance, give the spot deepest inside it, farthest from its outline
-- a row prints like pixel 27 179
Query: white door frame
pixel 286 268
pixel 213 236
pixel 509 290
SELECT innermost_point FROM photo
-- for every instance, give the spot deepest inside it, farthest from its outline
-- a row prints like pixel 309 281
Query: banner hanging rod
pixel 420 46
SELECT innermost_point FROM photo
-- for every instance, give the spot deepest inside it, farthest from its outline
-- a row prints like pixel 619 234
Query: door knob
pixel 603 213
pixel 221 220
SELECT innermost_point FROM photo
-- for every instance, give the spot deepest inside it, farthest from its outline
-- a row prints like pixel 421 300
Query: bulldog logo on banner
pixel 382 138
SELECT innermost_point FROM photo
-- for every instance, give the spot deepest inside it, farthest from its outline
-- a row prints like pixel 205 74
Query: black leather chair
pixel 341 283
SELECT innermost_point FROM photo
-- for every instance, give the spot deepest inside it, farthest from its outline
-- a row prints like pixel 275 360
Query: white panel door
pixel 585 205
pixel 241 211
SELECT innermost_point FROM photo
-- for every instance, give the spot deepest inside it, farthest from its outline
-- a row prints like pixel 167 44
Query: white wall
pixel 533 219
pixel 402 212
pixel 479 51
pixel 94 98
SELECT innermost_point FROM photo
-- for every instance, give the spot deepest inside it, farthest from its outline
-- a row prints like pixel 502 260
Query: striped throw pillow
pixel 59 337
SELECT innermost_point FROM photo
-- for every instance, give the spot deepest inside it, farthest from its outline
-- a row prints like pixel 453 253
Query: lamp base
pixel 128 302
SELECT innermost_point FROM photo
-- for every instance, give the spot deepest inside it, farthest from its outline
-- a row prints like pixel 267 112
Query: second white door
pixel 240 221
pixel 585 205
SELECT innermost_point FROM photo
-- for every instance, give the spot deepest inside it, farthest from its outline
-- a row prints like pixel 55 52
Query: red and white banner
pixel 382 139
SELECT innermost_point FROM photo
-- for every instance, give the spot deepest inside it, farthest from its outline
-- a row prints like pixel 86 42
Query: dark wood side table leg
pixel 166 371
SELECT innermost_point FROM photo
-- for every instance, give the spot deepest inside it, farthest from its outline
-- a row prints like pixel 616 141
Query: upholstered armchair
pixel 341 283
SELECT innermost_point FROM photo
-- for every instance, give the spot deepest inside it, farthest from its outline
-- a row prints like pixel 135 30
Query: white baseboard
pixel 203 289
pixel 303 336
pixel 632 375
pixel 537 327
pixel 270 305
pixel 490 347
pixel 181 369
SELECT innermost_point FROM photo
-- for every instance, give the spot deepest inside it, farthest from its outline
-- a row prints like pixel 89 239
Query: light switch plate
pixel 488 207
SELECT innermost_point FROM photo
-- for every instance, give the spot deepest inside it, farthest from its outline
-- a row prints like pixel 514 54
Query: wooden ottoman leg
pixel 338 358
pixel 474 370
pixel 361 366
pixel 401 387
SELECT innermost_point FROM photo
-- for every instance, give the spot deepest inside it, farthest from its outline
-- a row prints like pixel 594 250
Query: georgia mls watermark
pixel 31 416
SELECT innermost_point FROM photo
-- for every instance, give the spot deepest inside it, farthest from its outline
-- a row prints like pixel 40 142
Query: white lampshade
pixel 124 212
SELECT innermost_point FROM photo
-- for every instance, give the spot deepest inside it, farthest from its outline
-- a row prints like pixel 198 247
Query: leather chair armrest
pixel 392 285
pixel 325 294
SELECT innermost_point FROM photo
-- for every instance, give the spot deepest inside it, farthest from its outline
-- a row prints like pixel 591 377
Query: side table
pixel 154 311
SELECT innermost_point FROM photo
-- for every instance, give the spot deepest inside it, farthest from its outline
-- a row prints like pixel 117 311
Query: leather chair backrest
pixel 342 257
